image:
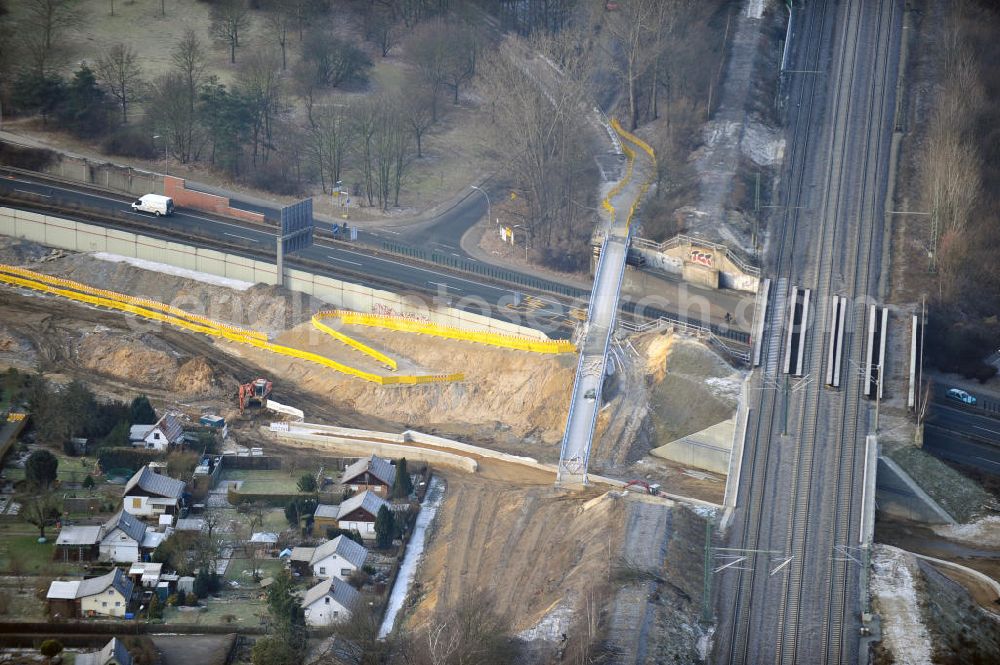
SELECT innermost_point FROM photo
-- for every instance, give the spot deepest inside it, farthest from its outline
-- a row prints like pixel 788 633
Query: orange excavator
pixel 256 391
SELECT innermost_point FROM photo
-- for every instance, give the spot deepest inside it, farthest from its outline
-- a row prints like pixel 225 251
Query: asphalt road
pixel 478 288
pixel 795 596
pixel 341 259
pixel 964 434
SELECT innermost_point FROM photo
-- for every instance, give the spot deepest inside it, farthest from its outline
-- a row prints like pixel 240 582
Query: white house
pixel 151 494
pixel 329 602
pixel 107 595
pixel 359 512
pixel 335 558
pixel 165 432
pixel 123 535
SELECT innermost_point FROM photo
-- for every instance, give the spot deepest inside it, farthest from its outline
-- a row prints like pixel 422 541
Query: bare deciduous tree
pixel 330 138
pixel 631 27
pixel 229 19
pixel 446 54
pixel 417 99
pixel 280 19
pixel 261 86
pixel 43 25
pixel 122 74
pixel 190 61
pixel 50 17
pixel 172 116
pixel 538 134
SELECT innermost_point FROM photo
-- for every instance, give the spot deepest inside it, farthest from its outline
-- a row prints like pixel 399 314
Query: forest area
pixel 309 97
pixel 959 184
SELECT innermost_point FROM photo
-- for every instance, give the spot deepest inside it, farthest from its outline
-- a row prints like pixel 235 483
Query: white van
pixel 154 203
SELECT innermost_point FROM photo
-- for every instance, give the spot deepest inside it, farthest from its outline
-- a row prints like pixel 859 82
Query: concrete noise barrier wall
pixel 361 448
pixel 82 237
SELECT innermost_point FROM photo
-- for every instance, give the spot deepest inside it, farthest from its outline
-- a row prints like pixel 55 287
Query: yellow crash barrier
pixel 491 339
pixel 158 312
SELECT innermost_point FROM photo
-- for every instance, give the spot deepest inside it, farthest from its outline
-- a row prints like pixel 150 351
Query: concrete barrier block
pixel 122 246
pixel 8 223
pixel 91 239
pixel 25 215
pixel 181 256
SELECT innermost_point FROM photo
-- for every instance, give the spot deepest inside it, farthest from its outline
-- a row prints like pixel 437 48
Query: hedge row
pixel 236 497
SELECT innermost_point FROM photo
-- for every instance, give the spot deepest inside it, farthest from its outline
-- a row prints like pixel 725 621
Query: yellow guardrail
pixel 629 136
pixel 633 138
pixel 121 297
pixel 123 303
pixel 16 417
pixel 501 340
pixel 349 341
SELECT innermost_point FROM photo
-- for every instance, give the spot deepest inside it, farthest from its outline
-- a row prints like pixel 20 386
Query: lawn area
pixel 267 568
pixel 71 469
pixel 35 557
pixel 23 605
pixel 245 609
pixel 274 521
pixel 267 482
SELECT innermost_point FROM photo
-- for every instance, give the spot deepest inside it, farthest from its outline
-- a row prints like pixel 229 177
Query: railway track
pixel 763 427
pixel 828 422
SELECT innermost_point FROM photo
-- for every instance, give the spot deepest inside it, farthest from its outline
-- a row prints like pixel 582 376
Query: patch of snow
pixel 550 627
pixel 894 589
pixel 729 386
pixel 413 556
pixel 705 644
pixel 984 532
pixel 719 131
pixel 764 146
pixel 755 8
pixel 705 511
pixel 215 280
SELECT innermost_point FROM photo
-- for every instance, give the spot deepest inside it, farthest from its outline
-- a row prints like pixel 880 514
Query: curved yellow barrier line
pixel 121 297
pixel 46 284
pixel 501 340
pixel 349 341
pixel 631 153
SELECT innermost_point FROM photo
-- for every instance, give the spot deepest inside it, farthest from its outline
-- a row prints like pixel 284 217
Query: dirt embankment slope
pixel 527 547
pixel 514 400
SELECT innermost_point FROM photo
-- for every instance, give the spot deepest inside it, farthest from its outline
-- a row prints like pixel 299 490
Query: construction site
pixel 653 404
pixel 508 405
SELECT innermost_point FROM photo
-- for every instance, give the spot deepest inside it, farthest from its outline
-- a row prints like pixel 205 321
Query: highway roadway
pixel 335 258
pixel 964 434
pixel 553 307
pixel 789 581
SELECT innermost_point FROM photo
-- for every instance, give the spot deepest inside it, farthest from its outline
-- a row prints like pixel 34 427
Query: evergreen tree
pixel 228 119
pixel 142 412
pixel 85 112
pixel 307 483
pixel 118 436
pixel 403 486
pixel 41 468
pixel 43 93
pixel 385 527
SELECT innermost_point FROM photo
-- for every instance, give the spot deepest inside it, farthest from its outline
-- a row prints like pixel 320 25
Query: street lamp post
pixel 165 146
pixel 489 207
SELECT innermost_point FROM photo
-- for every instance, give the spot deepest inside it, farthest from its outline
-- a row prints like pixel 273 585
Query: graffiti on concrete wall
pixel 702 257
pixel 380 309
